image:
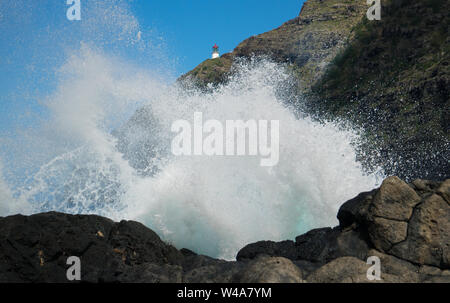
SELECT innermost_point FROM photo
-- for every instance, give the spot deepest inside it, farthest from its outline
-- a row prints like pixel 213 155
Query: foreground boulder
pixel 411 222
pixel 406 226
pixel 271 270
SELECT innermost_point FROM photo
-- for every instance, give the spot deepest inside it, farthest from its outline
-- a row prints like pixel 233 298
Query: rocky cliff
pixel 393 79
pixel 308 42
pixel 390 77
pixel 406 225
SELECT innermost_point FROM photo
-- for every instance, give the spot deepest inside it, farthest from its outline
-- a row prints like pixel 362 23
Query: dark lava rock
pixel 405 225
pixel 36 248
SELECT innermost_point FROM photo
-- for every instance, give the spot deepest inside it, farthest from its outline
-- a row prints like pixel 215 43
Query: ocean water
pixel 87 156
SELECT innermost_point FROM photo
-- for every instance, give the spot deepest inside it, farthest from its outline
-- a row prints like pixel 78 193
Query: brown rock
pixel 391 266
pixel 444 190
pixel 271 270
pixel 428 240
pixel 341 270
pixel 394 200
pixel 424 185
pixel 384 233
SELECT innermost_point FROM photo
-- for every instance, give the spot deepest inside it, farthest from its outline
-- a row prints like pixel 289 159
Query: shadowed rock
pixel 405 225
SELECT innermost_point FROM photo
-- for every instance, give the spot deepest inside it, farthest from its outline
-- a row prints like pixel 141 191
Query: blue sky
pixel 35 38
pixel 192 26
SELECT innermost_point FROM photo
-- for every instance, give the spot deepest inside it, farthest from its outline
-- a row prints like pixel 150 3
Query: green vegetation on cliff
pixel 393 79
pixel 308 42
pixel 390 77
pixel 212 71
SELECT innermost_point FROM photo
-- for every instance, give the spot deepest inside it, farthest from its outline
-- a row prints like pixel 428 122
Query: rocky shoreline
pixel 405 225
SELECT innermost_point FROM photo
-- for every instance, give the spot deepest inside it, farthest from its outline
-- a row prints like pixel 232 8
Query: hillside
pixel 308 42
pixel 393 79
pixel 390 77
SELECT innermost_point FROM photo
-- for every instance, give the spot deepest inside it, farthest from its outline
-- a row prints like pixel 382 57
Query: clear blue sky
pixel 35 37
pixel 193 26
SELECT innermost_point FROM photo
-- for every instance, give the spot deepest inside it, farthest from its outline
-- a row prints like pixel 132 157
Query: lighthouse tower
pixel 215 53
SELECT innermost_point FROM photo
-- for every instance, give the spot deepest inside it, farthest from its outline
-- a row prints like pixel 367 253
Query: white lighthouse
pixel 215 53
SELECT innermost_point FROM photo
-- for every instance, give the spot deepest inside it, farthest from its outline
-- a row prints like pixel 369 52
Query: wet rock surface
pixel 405 225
